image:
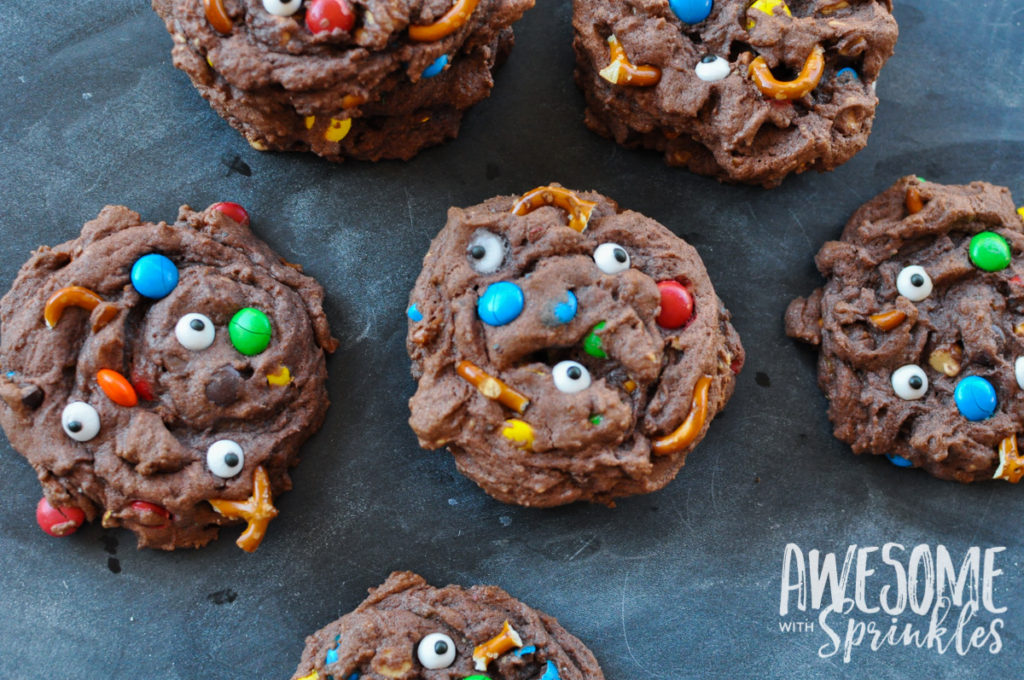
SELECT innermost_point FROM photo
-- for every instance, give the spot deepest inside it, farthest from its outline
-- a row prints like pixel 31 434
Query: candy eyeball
pixel 570 376
pixel 914 283
pixel 486 252
pixel 195 332
pixel 909 382
pixel 80 421
pixel 435 651
pixel 712 68
pixel 611 258
pixel 1018 371
pixel 282 8
pixel 225 458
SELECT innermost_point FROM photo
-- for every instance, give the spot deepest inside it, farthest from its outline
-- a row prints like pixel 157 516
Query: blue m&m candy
pixel 501 303
pixel 691 11
pixel 847 73
pixel 154 276
pixel 565 310
pixel 551 672
pixel 414 313
pixel 899 461
pixel 975 397
pixel 436 67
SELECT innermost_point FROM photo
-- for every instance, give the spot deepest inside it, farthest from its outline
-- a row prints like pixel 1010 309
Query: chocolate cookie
pixel 407 629
pixel 162 376
pixel 921 329
pixel 739 90
pixel 565 349
pixel 366 79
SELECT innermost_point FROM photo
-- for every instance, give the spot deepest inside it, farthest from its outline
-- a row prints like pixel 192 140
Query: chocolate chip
pixel 32 397
pixel 224 386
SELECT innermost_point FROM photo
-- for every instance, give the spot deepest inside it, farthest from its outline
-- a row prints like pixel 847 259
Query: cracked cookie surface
pixel 355 84
pixel 561 365
pixel 744 91
pixel 921 329
pixel 408 629
pixel 153 371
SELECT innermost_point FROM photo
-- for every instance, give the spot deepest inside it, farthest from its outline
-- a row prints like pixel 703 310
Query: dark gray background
pixel 678 584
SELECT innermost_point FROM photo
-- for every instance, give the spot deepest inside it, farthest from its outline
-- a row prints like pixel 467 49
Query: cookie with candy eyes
pixel 364 79
pixel 921 329
pixel 161 377
pixel 742 90
pixel 409 629
pixel 566 349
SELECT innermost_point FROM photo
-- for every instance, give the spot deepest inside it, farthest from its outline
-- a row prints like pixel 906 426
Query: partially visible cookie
pixel 363 79
pixel 566 349
pixel 161 377
pixel 921 329
pixel 743 91
pixel 407 629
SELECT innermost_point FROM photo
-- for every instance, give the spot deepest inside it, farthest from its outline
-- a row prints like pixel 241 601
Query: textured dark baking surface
pixel 683 583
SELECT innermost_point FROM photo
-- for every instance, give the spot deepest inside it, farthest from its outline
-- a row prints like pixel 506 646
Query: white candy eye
pixel 225 458
pixel 282 8
pixel 1018 371
pixel 486 252
pixel 611 258
pixel 909 382
pixel 914 283
pixel 80 421
pixel 711 69
pixel 436 650
pixel 194 332
pixel 570 376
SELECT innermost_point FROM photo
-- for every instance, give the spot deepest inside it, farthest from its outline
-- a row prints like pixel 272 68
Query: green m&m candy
pixel 592 343
pixel 249 330
pixel 989 251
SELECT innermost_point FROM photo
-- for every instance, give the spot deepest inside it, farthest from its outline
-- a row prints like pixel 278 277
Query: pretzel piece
pixel 491 387
pixel 1011 466
pixel 684 435
pixel 579 209
pixel 807 80
pixel 621 71
pixel 507 639
pixel 77 296
pixel 257 510
pixel 452 21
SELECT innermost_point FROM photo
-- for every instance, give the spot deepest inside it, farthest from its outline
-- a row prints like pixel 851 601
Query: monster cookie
pixel 365 79
pixel 565 349
pixel 408 629
pixel 921 329
pixel 739 90
pixel 161 377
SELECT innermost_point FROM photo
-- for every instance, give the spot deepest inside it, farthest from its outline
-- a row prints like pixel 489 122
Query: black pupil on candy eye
pixel 75 426
pixel 196 325
pixel 708 58
pixel 440 647
pixel 231 459
pixel 574 372
pixel 478 252
pixel 917 280
pixel 620 254
pixel 915 382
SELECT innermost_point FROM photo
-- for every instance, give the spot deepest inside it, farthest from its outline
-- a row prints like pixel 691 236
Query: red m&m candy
pixel 327 15
pixel 676 305
pixel 232 211
pixel 58 521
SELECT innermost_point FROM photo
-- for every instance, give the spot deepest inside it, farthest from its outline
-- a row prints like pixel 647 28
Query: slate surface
pixel 684 583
